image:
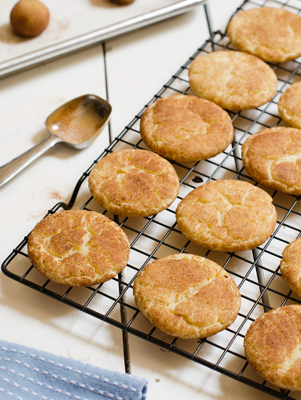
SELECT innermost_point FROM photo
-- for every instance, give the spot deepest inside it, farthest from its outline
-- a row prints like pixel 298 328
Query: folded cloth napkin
pixel 26 373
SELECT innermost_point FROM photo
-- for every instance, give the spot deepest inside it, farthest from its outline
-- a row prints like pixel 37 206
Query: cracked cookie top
pixel 272 346
pixel 234 80
pixel 289 105
pixel 273 157
pixel 227 215
pixel 78 248
pixel 187 296
pixel 134 183
pixel 290 265
pixel 186 128
pixel 272 34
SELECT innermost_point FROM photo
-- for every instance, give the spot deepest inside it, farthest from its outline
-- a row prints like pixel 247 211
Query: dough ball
pixel 29 18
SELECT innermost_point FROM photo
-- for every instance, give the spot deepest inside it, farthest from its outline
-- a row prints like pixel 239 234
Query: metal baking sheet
pixel 75 24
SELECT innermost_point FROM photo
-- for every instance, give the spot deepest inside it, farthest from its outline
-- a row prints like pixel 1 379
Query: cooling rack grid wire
pixel 255 272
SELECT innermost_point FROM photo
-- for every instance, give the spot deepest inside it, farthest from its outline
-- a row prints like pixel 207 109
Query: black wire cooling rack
pixel 255 272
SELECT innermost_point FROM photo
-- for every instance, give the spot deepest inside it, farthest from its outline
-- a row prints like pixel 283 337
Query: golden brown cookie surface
pixel 134 183
pixel 186 128
pixel 78 248
pixel 272 346
pixel 290 266
pixel 232 79
pixel 289 105
pixel 178 295
pixel 273 157
pixel 227 216
pixel 273 34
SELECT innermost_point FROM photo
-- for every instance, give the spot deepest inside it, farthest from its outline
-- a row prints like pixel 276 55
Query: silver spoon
pixel 76 123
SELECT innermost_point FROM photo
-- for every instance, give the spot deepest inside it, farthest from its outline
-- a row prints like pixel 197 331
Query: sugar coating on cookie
pixel 186 128
pixel 272 346
pixel 234 80
pixel 187 296
pixel 78 248
pixel 227 215
pixel 272 34
pixel 134 183
pixel 289 105
pixel 290 266
pixel 273 157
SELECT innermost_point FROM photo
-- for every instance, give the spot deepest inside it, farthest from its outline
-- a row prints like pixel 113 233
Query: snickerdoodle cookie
pixel 290 266
pixel 233 80
pixel 134 183
pixel 227 215
pixel 272 34
pixel 187 296
pixel 272 346
pixel 186 128
pixel 289 105
pixel 273 157
pixel 78 248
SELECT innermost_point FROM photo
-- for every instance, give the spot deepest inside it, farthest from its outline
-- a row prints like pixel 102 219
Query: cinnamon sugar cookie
pixel 272 347
pixel 227 216
pixel 233 80
pixel 78 248
pixel 186 128
pixel 134 183
pixel 273 157
pixel 187 296
pixel 290 266
pixel 272 34
pixel 289 105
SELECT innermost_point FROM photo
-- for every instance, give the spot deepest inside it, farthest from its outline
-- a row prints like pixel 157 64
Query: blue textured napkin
pixel 26 373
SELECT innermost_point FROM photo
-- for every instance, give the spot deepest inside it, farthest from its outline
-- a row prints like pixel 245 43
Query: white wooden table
pixel 137 65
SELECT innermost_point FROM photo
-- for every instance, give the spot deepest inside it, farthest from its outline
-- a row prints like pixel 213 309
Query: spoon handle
pixel 12 168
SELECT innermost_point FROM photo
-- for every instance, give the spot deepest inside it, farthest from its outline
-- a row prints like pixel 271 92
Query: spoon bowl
pixel 80 121
pixel 76 123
